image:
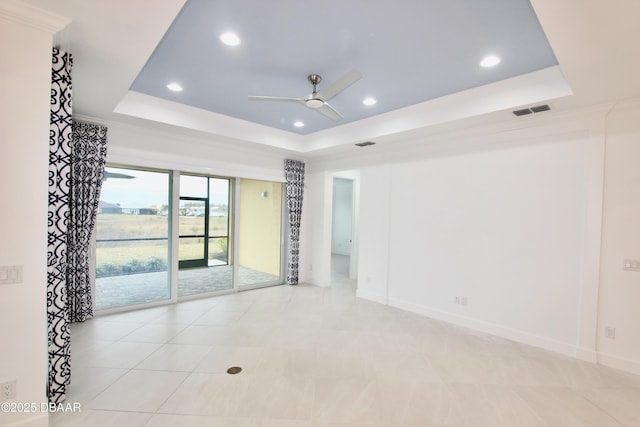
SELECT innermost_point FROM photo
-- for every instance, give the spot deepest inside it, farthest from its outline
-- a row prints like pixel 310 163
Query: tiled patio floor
pixel 119 291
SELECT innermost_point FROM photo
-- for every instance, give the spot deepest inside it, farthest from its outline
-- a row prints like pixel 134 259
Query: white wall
pixel 374 225
pixel 25 67
pixel 507 217
pixel 503 229
pixel 315 234
pixel 620 289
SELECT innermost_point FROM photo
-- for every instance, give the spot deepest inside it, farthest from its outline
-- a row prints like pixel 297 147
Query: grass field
pixel 120 226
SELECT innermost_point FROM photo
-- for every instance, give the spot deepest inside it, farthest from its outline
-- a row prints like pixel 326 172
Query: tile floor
pixel 319 357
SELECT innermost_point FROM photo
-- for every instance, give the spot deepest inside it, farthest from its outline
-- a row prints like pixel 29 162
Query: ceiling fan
pixel 113 175
pixel 317 100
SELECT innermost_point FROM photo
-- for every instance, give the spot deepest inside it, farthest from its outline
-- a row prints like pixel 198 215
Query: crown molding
pixel 26 14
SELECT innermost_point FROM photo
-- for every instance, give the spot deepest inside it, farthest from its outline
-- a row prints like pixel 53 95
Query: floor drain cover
pixel 234 370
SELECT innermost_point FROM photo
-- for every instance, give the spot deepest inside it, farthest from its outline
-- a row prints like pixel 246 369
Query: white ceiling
pixel 419 59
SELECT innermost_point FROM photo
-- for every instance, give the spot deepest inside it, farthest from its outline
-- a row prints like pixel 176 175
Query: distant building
pixel 140 211
pixel 109 208
pixel 113 208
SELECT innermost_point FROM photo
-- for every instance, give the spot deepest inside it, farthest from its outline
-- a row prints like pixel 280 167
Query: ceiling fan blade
pixel 328 111
pixel 339 85
pixel 276 98
pixel 108 174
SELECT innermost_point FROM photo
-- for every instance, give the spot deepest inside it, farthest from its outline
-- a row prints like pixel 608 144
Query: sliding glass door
pixel 226 239
pixel 132 238
pixel 204 262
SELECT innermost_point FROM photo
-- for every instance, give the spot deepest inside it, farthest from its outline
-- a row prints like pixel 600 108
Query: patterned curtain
pixel 88 154
pixel 59 340
pixel 294 175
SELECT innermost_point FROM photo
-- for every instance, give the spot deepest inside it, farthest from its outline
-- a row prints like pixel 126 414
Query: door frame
pixel 199 262
pixel 354 177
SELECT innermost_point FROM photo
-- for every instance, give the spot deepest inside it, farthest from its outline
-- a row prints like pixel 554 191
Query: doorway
pixel 193 235
pixel 342 228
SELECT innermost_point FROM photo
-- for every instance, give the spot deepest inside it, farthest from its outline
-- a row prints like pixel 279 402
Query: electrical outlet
pixel 610 332
pixel 631 265
pixel 7 390
pixel 460 300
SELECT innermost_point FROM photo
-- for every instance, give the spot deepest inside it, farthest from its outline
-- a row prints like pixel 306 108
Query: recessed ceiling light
pixel 230 39
pixel 490 61
pixel 174 87
pixel 298 124
pixel 369 101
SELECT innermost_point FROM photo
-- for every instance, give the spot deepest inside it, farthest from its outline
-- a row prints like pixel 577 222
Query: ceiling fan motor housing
pixel 314 102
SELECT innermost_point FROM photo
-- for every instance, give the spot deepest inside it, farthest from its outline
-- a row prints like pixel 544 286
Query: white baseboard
pixel 585 354
pixel 319 284
pixel 495 329
pixel 371 296
pixel 627 365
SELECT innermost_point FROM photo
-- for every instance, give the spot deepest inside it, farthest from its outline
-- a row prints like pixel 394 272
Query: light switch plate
pixel 10 274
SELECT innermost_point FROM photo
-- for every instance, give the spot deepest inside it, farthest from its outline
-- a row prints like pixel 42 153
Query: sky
pixel 148 188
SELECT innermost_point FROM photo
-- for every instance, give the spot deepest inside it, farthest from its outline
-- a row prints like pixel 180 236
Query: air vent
pixel 365 144
pixel 523 112
pixel 540 108
pixel 537 109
